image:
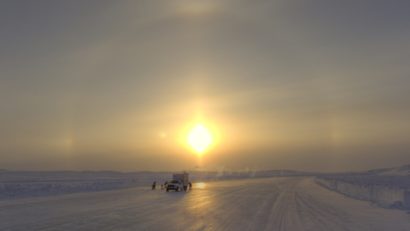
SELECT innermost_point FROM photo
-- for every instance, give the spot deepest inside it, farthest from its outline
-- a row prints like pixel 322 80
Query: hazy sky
pixel 312 85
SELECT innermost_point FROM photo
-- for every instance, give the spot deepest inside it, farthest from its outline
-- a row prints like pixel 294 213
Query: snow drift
pixel 388 192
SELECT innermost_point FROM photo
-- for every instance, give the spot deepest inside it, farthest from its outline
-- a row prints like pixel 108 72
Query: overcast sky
pixel 310 85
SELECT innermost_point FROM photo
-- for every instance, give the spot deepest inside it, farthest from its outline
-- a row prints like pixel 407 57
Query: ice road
pixel 295 203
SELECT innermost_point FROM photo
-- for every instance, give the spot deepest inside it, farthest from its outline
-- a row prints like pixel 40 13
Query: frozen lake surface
pixel 294 203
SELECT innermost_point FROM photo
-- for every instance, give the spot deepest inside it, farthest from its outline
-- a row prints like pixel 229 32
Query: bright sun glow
pixel 199 138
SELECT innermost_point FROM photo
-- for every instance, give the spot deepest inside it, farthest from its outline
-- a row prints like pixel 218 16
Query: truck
pixel 180 181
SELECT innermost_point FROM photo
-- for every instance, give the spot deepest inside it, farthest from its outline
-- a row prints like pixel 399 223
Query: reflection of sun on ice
pixel 200 185
pixel 199 138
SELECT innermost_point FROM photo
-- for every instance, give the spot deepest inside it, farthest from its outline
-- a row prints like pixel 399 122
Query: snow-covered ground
pixel 24 184
pixel 282 203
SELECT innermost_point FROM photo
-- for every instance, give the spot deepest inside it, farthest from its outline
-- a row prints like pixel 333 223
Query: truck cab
pixel 175 185
pixel 180 181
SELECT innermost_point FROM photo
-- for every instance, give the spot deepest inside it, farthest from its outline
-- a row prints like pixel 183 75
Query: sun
pixel 199 138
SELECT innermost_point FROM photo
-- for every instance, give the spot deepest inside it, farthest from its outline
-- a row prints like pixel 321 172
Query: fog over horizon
pixel 117 85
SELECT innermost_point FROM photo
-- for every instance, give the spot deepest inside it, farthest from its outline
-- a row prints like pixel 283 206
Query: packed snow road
pixel 259 204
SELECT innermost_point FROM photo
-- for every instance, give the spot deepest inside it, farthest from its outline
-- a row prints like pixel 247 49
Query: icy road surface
pixel 259 204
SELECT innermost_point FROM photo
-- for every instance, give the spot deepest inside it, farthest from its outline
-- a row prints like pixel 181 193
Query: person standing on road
pixel 154 184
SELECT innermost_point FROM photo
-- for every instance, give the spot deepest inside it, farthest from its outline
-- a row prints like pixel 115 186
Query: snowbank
pixel 396 171
pixel 385 195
